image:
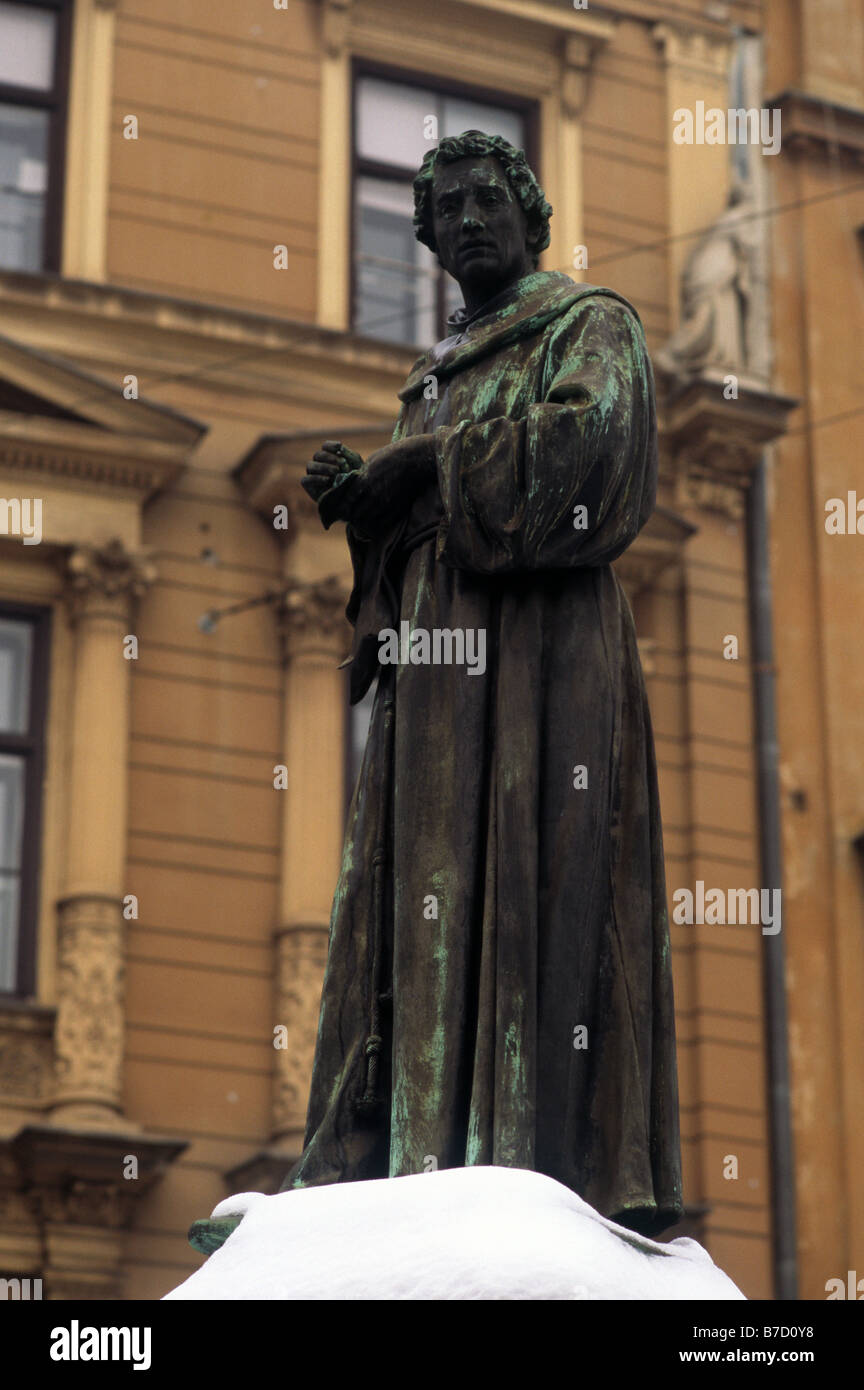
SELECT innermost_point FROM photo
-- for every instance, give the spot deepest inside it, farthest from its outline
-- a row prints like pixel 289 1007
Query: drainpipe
pixel 774 953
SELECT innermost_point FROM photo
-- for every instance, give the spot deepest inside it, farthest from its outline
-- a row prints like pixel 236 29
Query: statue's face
pixel 480 228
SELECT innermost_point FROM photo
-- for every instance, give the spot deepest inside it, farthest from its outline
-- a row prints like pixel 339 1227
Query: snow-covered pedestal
pixel 463 1233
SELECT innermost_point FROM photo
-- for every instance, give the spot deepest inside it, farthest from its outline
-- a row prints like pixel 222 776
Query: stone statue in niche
pixel 720 298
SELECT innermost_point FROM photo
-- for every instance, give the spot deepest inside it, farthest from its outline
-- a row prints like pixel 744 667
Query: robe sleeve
pixel 510 487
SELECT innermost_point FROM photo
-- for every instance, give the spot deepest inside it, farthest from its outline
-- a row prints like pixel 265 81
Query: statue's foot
pixel 208 1234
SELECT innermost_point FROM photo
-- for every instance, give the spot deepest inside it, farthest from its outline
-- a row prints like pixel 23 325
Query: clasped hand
pixel 369 495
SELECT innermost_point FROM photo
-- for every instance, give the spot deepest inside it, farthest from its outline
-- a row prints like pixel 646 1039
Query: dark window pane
pixel 11 811
pixel 390 122
pixel 27 37
pixel 395 275
pixel 16 646
pixel 23 181
pixel 10 904
pixel 460 114
pixel 11 821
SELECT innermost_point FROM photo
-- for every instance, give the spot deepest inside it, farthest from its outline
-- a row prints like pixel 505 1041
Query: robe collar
pixel 519 312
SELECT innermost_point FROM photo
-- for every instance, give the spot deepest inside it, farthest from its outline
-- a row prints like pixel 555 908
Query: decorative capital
pixel 706 491
pixel 312 615
pixel 107 572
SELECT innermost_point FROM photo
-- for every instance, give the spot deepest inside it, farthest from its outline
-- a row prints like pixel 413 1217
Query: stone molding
pixel 710 445
pixel 700 53
pixel 65 1202
pixel 819 128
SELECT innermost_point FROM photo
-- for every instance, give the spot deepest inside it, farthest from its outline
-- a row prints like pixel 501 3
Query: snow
pixel 460 1233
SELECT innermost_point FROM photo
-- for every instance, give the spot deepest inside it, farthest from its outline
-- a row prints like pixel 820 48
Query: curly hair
pixel 528 192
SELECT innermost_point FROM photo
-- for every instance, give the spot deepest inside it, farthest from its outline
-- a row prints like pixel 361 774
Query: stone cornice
pixel 81 456
pixel 61 422
pixel 703 431
pixel 814 125
pixel 551 13
pixel 79 395
pixel 505 44
pixel 701 51
pixel 77 1177
pixel 261 351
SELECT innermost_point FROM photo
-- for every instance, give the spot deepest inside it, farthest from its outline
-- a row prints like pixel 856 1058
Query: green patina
pixel 208 1235
pixel 460 1029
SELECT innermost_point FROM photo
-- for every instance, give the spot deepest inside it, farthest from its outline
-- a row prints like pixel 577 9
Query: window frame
pixel 526 107
pixel 30 746
pixel 56 102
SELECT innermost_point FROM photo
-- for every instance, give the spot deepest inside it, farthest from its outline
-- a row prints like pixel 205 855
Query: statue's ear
pixel 533 233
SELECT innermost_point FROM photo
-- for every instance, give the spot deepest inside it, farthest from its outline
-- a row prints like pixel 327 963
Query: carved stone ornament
pixel 108 571
pixel 89 1028
pixel 712 494
pixel 302 955
pixel 22 1067
pixel 81 1203
pixel 311 612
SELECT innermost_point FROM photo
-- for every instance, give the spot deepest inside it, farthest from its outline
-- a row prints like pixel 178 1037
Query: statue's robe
pixel 498 988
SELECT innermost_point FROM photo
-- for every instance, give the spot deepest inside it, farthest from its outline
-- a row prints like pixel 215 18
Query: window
pixel 23 680
pixel 34 42
pixel 400 292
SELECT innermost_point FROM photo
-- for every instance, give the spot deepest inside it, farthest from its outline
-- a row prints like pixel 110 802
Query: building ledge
pixel 818 126
pixel 88 1177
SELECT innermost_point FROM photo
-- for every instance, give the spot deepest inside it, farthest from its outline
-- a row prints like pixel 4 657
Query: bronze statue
pixel 499 989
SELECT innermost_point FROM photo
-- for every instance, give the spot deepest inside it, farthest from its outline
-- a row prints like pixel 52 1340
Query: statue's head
pixel 479 208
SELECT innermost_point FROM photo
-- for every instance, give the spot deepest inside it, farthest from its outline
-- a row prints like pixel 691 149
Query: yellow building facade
pixel 223 281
